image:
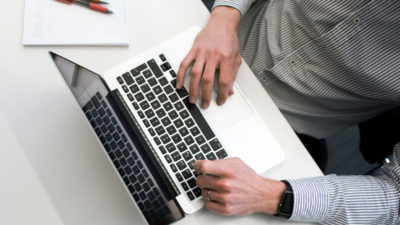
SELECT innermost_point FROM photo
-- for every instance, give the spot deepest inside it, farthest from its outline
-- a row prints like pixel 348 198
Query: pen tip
pixel 109 12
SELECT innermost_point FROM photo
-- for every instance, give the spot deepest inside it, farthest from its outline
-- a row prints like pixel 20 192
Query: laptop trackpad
pixel 234 110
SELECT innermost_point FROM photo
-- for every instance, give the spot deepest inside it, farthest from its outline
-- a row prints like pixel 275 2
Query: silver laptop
pixel 153 135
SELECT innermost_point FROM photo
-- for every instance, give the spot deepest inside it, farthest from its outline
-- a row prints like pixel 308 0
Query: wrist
pixel 226 16
pixel 272 194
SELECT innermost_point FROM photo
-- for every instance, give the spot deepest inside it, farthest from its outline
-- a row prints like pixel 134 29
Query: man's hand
pixel 232 188
pixel 216 46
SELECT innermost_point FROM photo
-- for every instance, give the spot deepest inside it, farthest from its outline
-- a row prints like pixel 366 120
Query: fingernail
pixel 204 105
pixel 192 99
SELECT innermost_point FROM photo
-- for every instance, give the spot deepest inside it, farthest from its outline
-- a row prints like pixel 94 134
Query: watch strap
pixel 285 207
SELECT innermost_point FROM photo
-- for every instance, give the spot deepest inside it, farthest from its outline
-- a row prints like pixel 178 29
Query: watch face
pixel 286 204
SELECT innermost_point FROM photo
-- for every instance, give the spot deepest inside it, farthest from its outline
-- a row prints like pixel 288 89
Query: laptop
pixel 152 135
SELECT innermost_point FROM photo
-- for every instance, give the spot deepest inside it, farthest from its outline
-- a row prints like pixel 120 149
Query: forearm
pixel 349 199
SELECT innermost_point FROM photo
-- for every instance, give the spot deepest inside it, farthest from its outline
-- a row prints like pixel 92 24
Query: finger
pixel 231 92
pixel 207 82
pixel 225 81
pixel 214 167
pixel 209 182
pixel 195 76
pixel 213 195
pixel 216 207
pixel 183 67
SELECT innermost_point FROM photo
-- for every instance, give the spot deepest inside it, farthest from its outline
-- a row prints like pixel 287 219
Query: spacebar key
pixel 198 117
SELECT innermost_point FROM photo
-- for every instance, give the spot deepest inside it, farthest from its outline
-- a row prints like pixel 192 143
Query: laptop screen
pixel 122 146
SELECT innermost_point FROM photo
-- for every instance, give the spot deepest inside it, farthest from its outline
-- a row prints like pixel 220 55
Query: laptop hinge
pixel 144 146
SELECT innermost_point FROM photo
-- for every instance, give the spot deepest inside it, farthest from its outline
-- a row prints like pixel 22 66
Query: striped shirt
pixel 329 65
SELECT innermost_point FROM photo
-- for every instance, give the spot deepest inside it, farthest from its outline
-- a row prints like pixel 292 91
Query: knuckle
pixel 196 72
pixel 225 185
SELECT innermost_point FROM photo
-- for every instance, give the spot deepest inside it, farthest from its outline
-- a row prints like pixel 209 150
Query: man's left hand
pixel 232 188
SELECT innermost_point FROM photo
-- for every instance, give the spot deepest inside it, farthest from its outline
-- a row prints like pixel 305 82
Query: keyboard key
pixel 140 80
pixel 157 140
pixel 181 165
pixel 165 121
pixel 154 67
pixel 134 88
pixel 139 97
pixel 179 177
pixel 160 130
pixel 149 113
pixel 173 115
pixel 186 174
pixel 168 158
pixel 146 123
pixel 147 73
pixel 168 89
pixel 155 122
pixel 221 154
pixel 173 168
pixel 170 147
pixel 173 74
pixel 144 105
pixel 155 104
pixel 130 97
pixel 165 66
pixel 199 156
pixel 165 138
pixel 162 57
pixel 138 69
pixel 179 106
pixel 176 156
pixel 192 183
pixel 189 140
pixel 135 105
pixel 197 192
pixel 187 155
pixel 198 117
pixel 200 139
pixel 163 98
pixel 215 145
pixel 141 114
pixel 182 147
pixel 183 131
pixel 120 81
pixel 162 150
pixel 173 97
pixel 152 81
pixel 191 164
pixel 194 149
pixel 185 186
pixel 171 130
pixel 150 96
pixel 178 123
pixel 176 138
pixel 128 78
pixel 211 156
pixel 163 81
pixel 160 113
pixel 184 114
pixel 167 106
pixel 189 123
pixel 157 89
pixel 145 88
pixel 125 88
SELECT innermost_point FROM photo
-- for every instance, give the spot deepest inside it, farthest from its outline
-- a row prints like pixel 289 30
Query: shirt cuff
pixel 241 5
pixel 310 199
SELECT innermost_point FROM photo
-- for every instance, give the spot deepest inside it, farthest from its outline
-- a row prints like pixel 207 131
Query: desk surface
pixel 48 172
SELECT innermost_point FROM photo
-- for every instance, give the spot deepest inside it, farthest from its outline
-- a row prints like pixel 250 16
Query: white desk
pixel 48 173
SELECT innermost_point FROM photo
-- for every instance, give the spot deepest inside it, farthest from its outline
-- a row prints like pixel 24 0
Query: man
pixel 327 66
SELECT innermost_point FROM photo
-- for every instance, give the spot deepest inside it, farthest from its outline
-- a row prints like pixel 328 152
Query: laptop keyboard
pixel 125 158
pixel 176 126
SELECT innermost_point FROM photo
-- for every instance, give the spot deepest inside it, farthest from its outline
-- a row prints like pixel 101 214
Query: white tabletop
pixel 52 171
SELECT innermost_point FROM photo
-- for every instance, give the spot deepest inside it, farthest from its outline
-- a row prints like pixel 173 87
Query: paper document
pixel 50 22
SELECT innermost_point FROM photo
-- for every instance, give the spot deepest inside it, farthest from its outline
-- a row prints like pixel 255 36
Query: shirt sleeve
pixel 350 199
pixel 241 5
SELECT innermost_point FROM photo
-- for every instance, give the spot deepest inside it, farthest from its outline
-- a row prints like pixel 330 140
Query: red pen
pixel 89 5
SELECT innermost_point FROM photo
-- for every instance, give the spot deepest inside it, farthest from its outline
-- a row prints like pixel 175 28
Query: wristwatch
pixel 285 208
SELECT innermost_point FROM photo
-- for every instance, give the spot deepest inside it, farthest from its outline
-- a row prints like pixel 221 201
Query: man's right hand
pixel 216 46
